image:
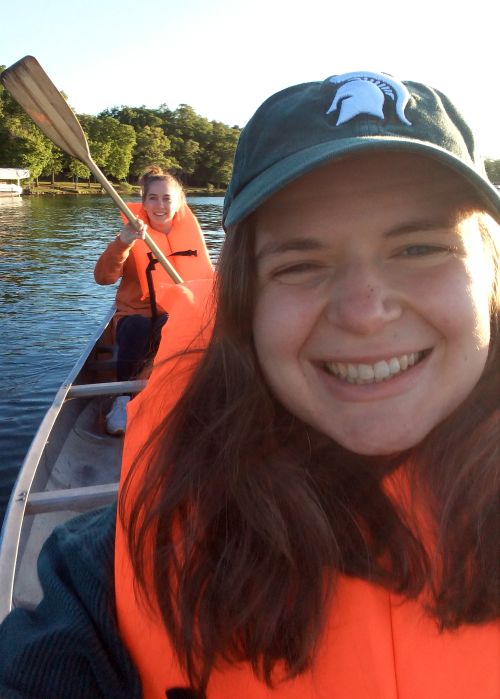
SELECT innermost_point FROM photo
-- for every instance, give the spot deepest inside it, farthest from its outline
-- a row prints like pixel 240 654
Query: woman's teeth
pixel 373 373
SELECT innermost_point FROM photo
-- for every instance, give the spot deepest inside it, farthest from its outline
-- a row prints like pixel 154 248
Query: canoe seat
pixel 110 388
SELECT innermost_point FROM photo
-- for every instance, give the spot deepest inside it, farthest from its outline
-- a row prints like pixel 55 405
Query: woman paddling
pixel 308 507
pixel 139 318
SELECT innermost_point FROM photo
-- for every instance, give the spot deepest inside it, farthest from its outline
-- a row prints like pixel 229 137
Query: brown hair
pixel 154 173
pixel 269 511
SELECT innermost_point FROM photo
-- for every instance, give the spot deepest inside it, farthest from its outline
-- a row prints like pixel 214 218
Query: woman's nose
pixel 362 299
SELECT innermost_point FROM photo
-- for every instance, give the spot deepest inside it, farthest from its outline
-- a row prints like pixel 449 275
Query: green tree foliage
pixel 111 144
pixel 99 144
pixel 189 153
pixel 78 170
pixel 152 147
pixel 2 93
pixel 137 117
pixel 24 145
pixel 493 170
pixel 198 150
pixel 217 157
pixel 8 106
pixel 123 141
pixel 55 164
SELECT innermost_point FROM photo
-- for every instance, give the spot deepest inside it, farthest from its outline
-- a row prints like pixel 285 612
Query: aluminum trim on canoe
pixel 14 515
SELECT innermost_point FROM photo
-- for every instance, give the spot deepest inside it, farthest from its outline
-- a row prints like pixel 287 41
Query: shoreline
pixel 58 188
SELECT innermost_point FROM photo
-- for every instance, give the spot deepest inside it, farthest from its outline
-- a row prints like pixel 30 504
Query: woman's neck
pixel 165 228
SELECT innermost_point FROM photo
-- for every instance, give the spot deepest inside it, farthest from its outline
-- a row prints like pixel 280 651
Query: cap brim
pixel 294 166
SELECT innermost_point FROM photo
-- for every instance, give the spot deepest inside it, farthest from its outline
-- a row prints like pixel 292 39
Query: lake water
pixel 50 305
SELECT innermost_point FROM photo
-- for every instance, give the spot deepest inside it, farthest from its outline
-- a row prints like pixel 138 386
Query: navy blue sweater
pixel 69 646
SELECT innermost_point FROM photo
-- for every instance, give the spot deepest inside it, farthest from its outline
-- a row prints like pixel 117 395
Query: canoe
pixel 72 466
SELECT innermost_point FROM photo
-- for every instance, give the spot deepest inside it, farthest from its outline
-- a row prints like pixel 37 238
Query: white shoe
pixel 116 419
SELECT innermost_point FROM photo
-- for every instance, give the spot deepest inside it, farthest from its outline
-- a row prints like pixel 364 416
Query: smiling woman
pixel 139 318
pixel 322 495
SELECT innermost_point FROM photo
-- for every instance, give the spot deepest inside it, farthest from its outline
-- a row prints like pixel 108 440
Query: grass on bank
pixel 123 188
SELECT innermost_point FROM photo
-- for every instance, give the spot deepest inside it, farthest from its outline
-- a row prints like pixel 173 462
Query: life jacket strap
pixel 185 253
pixel 151 287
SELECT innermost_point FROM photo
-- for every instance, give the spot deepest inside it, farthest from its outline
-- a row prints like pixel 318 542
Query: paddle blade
pixel 32 88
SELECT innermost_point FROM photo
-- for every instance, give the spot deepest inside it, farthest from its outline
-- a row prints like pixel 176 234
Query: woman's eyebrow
pixel 420 225
pixel 312 244
pixel 275 248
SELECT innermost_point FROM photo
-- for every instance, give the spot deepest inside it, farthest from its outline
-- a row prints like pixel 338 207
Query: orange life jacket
pixel 184 246
pixel 376 645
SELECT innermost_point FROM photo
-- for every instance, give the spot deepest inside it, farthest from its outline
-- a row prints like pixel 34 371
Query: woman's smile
pixel 349 391
pixel 356 372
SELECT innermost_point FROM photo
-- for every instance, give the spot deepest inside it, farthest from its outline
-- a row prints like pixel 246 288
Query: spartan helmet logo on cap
pixel 365 93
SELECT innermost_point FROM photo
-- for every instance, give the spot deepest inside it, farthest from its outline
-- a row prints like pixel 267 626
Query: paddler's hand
pixel 129 235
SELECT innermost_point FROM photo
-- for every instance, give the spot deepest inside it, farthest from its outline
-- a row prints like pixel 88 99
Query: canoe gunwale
pixel 18 503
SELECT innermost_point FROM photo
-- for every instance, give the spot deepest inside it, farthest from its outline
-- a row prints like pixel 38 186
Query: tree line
pixel 123 141
pixel 493 170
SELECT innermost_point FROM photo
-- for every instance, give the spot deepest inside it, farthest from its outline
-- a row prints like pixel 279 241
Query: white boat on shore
pixel 10 190
pixel 10 181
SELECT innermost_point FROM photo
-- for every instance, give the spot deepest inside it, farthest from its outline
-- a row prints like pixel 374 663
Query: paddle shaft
pixel 32 88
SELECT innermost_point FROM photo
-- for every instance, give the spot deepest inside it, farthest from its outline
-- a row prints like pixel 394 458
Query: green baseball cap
pixel 308 125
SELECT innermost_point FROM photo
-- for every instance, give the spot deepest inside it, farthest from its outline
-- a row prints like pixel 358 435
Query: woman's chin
pixel 377 441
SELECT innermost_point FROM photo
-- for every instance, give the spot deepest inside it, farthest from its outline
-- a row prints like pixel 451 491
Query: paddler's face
pixel 372 319
pixel 161 203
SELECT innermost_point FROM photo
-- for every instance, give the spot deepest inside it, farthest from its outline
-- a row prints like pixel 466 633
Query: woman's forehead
pixel 371 181
pixel 375 173
pixel 161 187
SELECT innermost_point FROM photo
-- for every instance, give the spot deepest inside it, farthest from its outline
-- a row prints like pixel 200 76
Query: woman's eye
pixel 297 268
pixel 425 250
pixel 301 272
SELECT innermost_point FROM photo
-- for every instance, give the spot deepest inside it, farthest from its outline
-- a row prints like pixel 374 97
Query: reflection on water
pixel 209 213
pixel 50 305
pixel 10 201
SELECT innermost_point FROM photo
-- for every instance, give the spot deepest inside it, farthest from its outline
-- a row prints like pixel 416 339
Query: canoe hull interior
pixel 72 466
pixel 79 455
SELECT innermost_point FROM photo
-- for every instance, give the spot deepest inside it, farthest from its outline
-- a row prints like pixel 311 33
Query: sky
pixel 224 57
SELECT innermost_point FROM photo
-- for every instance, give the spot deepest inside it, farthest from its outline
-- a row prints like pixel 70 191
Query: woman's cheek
pixel 284 317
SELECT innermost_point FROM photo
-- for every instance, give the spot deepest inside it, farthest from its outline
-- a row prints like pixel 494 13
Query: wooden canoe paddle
pixel 32 88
